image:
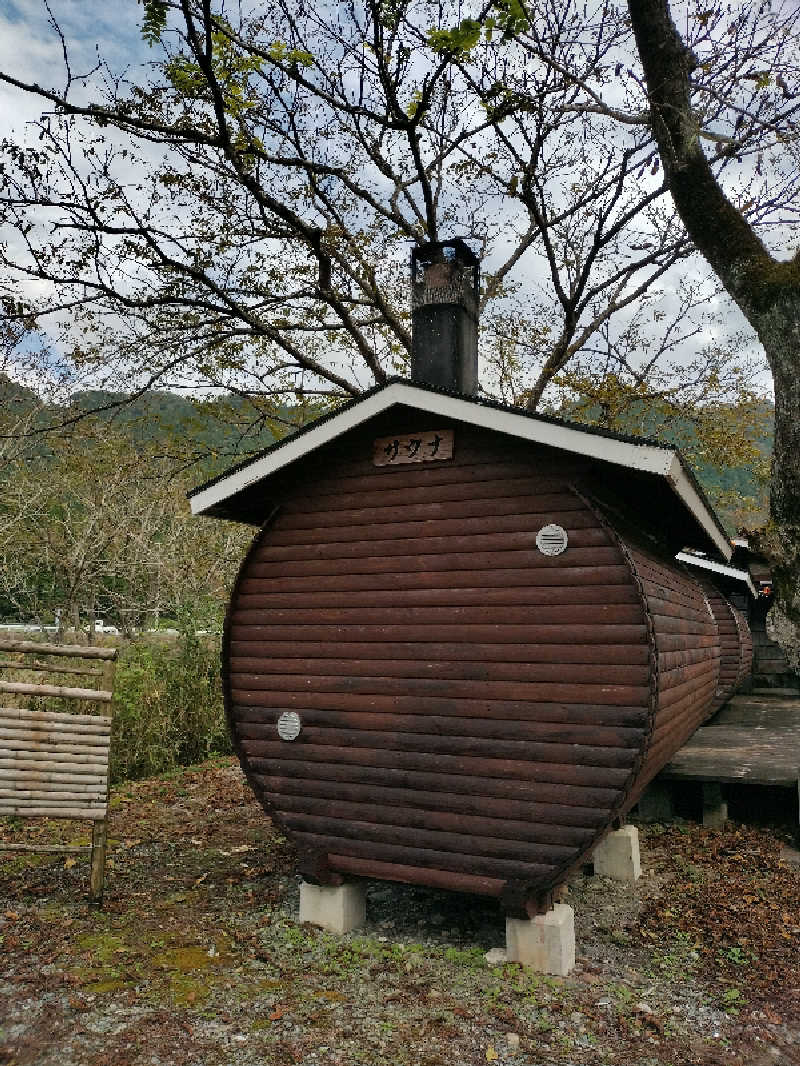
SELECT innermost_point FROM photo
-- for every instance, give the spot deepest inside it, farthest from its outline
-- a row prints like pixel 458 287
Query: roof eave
pixel 645 457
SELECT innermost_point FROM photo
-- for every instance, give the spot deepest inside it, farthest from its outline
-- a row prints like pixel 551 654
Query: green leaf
pixel 155 20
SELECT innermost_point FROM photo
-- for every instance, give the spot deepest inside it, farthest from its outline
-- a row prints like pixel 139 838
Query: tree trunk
pixel 767 290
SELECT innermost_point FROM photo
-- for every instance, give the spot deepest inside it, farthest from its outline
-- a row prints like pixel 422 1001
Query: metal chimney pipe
pixel 445 279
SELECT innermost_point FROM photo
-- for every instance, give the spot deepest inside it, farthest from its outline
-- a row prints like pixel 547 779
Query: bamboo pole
pixel 60 761
pixel 53 668
pixel 62 691
pixel 80 793
pixel 70 781
pixel 79 651
pixel 24 715
pixel 63 739
pixel 24 811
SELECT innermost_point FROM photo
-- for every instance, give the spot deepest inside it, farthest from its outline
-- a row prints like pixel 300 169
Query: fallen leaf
pixel 277 1013
pixel 70 862
pixel 12 916
pixel 491 1054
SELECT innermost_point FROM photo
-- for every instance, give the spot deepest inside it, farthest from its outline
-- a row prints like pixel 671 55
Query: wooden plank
pixel 580 540
pixel 488 634
pixel 588 732
pixel 254 656
pixel 438 561
pixel 347 472
pixel 481 481
pixel 500 829
pixel 78 651
pixel 603 796
pixel 259 673
pixel 529 853
pixel 467 577
pixel 568 773
pixel 257 593
pixel 468 696
pixel 521 710
pixel 469 864
pixel 60 691
pixel 521 751
pixel 750 754
pixel 557 814
pixel 244 686
pixel 417 875
pixel 572 614
pixel 396 525
pixel 529 506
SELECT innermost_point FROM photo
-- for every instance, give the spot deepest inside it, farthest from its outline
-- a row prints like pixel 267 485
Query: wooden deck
pixel 753 739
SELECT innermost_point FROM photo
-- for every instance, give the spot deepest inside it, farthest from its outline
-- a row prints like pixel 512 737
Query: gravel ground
pixel 197 957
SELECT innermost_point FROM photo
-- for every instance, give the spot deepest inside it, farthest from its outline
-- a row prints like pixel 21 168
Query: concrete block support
pixel 655 803
pixel 715 808
pixel 617 855
pixel 337 908
pixel 546 943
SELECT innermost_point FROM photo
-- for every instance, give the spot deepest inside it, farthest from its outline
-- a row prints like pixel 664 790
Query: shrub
pixel 168 708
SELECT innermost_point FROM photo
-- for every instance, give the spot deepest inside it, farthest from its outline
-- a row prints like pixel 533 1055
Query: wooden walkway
pixel 754 739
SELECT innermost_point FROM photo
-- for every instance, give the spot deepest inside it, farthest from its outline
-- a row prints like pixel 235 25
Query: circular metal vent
pixel 552 540
pixel 289 725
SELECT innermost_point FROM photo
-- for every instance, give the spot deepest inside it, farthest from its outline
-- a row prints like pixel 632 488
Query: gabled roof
pixel 717 568
pixel 217 496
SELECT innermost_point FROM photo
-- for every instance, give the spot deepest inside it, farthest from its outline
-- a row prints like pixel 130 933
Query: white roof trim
pixel 649 458
pixel 718 568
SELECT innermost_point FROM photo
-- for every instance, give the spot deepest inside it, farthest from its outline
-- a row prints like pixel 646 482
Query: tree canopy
pixel 240 216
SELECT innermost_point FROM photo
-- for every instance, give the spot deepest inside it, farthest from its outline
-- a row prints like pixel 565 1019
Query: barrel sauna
pixel 461 672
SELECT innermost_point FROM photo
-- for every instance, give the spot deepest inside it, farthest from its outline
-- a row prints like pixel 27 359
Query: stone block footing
pixel 546 943
pixel 337 908
pixel 617 855
pixel 715 808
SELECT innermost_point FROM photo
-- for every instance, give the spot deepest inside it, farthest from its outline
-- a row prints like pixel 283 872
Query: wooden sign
pixel 413 448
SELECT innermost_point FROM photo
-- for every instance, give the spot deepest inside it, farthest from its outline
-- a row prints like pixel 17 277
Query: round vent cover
pixel 289 725
pixel 552 540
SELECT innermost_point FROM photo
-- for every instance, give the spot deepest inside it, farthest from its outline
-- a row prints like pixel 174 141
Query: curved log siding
pixel 473 713
pixel 736 646
pixel 688 648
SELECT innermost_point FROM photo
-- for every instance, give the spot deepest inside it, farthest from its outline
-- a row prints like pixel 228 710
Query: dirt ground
pixel 197 957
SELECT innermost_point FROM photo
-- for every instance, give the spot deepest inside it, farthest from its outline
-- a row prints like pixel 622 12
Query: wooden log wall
pixel 473 713
pixel 688 659
pixel 736 643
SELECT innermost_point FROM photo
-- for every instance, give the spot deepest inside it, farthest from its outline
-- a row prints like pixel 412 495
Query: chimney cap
pixel 455 253
pixel 432 251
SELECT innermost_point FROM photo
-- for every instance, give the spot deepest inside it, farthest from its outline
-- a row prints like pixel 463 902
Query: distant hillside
pixel 738 490
pixel 212 434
